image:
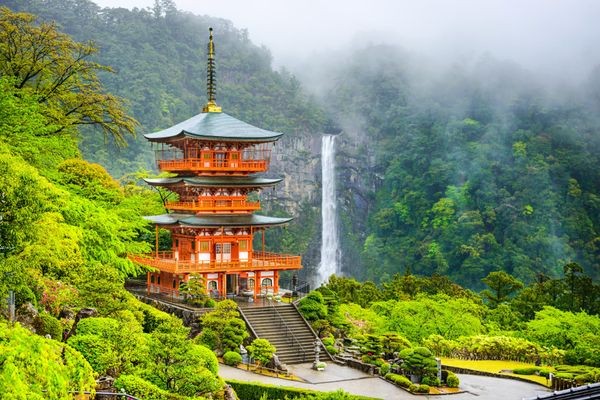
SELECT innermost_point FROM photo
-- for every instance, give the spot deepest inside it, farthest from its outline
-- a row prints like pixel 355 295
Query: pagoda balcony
pixel 215 204
pixel 212 166
pixel 261 261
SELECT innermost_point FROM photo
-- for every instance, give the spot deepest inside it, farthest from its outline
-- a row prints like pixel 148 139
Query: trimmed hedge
pixel 526 371
pixel 256 391
pixel 399 380
pixel 143 389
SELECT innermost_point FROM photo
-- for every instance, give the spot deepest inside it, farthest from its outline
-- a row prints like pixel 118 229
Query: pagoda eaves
pixel 214 126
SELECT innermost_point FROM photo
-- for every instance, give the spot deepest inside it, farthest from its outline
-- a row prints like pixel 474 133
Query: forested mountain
pixel 159 56
pixel 459 169
pixel 469 168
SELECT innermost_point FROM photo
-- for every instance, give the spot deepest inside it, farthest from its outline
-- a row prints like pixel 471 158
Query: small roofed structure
pixel 212 223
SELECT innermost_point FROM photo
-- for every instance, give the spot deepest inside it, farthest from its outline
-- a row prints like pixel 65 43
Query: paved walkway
pixel 352 381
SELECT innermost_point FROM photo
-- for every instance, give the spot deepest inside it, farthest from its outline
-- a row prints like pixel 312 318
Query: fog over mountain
pixel 557 39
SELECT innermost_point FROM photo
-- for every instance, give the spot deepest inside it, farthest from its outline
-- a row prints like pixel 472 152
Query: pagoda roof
pixel 216 220
pixel 214 126
pixel 214 181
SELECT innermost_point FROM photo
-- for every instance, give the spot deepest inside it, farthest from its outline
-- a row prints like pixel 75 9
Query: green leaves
pixel 46 63
pixel 32 367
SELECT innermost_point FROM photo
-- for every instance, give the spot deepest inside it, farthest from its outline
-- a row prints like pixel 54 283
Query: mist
pixel 557 40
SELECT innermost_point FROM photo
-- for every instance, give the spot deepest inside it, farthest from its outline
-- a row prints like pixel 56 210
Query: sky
pixel 559 37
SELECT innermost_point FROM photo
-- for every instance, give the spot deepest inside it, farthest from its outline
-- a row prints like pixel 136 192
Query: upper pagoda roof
pixel 217 220
pixel 215 181
pixel 214 126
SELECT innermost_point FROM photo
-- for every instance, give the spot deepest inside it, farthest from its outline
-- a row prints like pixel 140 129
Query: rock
pixel 27 316
pixel 229 394
pixel 83 313
pixel 105 384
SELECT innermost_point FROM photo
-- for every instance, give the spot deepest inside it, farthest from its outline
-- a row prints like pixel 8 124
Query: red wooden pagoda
pixel 214 159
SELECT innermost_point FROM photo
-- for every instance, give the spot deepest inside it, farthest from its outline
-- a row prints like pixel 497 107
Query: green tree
pixel 261 351
pixel 501 287
pixel 58 71
pixel 418 361
pixel 32 367
pixel 178 365
pixel 222 329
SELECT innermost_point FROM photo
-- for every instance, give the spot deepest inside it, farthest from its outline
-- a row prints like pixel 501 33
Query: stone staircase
pixel 284 327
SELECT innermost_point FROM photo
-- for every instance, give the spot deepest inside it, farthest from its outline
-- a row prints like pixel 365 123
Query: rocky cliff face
pixel 297 158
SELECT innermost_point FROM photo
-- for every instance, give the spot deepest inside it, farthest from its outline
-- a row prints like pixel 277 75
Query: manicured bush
pixel 46 324
pixel 384 369
pixel 431 381
pixel 526 370
pixel 257 391
pixel 209 303
pixel 399 380
pixel 313 306
pixel 545 372
pixel 261 350
pixel 452 380
pixel 152 317
pixel 422 389
pixel 332 350
pixel 143 389
pixel 413 388
pixel 232 358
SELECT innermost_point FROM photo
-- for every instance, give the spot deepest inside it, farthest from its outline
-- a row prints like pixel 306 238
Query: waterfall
pixel 329 234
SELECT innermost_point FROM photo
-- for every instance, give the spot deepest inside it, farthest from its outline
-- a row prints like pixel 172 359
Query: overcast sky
pixel 557 36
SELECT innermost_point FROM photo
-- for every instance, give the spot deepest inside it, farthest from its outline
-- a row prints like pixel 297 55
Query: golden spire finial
pixel 211 81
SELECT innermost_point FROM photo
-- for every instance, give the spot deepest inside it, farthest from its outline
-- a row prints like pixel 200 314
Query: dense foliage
pixel 260 391
pixel 412 311
pixel 160 56
pixel 35 368
pixel 466 169
pixel 66 227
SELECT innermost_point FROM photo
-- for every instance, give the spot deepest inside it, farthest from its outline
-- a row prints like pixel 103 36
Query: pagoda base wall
pixel 218 285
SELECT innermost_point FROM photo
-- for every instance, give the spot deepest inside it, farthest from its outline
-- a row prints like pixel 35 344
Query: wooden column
pixel 148 282
pixel 224 283
pixel 256 285
pixel 275 282
pixel 156 241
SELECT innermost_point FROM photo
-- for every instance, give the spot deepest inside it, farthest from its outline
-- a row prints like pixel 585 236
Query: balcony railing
pixel 260 261
pixel 214 165
pixel 216 204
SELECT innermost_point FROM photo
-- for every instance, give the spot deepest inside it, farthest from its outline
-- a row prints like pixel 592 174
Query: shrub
pixel 452 380
pixel 152 317
pixel 331 349
pixel 261 350
pixel 545 372
pixel 413 388
pixel 232 358
pixel 422 389
pixel 399 380
pixel 141 388
pixel 430 380
pixel 256 391
pixel 418 361
pixel 384 369
pixel 46 324
pixel 313 306
pixel 209 303
pixel 526 370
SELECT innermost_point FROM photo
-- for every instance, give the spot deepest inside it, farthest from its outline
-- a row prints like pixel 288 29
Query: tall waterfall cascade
pixel 330 246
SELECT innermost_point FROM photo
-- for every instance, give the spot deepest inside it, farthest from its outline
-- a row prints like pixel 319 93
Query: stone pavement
pixel 356 382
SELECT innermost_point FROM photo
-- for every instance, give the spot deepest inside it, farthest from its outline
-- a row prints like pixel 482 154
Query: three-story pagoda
pixel 215 159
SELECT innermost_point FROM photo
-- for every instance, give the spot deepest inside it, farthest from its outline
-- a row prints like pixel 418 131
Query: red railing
pixel 261 261
pixel 216 204
pixel 214 165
